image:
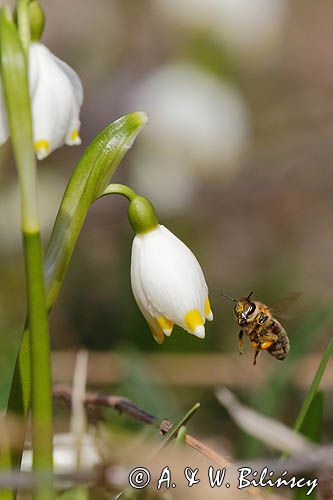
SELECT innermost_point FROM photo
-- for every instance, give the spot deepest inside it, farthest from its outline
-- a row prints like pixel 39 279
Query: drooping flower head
pixel 56 97
pixel 167 280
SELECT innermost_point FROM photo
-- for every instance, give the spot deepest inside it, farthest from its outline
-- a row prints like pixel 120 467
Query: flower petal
pixel 208 311
pixel 139 294
pixel 194 323
pixel 73 78
pixel 171 277
pixel 56 101
pixel 72 137
pixel 166 325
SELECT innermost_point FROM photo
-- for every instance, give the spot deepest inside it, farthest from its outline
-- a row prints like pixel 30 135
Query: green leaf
pixel 302 418
pixel 311 428
pixel 88 181
pixel 76 493
pixel 9 342
pixel 181 436
pixel 16 92
pixel 314 387
pixel 173 432
pixel 15 83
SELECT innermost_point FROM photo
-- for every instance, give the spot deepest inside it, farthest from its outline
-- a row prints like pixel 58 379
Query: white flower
pixel 252 29
pixel 65 453
pixel 168 284
pixel 202 129
pixel 56 97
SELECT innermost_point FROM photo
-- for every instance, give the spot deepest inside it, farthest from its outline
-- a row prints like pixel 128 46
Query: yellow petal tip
pixel 194 322
pixel 41 149
pixel 208 311
pixel 74 137
pixel 166 325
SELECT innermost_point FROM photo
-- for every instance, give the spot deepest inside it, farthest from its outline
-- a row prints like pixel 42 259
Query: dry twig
pixel 124 406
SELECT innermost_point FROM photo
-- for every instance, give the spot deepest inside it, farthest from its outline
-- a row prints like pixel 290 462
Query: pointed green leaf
pixel 75 493
pixel 16 92
pixel 312 424
pixel 173 432
pixel 88 181
pixel 181 436
pixel 311 428
pixel 314 387
pixel 305 408
pixel 15 82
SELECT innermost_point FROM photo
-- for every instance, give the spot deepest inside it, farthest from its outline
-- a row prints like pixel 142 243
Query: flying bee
pixel 264 331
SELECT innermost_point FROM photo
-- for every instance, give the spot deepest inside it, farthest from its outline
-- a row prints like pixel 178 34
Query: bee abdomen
pixel 281 347
pixel 279 350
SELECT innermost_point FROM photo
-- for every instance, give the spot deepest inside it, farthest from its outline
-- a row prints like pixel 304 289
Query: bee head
pixel 244 309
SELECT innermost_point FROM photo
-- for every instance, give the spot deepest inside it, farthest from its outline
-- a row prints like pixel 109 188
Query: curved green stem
pixel 121 189
pixel 141 213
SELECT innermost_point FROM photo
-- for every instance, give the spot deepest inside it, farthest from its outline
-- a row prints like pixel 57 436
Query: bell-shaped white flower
pixel 56 97
pixel 168 284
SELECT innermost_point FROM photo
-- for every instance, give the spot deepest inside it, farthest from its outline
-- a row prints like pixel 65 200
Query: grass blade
pixel 311 428
pixel 175 428
pixel 314 387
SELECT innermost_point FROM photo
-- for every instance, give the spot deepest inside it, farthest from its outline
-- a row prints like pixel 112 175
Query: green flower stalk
pixel 14 69
pixel 141 213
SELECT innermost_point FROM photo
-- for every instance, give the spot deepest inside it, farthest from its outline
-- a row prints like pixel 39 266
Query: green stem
pixel 16 89
pixel 40 354
pixel 119 189
pixel 141 213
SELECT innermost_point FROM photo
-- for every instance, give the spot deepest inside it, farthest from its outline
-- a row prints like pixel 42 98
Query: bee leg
pixel 240 338
pixel 256 354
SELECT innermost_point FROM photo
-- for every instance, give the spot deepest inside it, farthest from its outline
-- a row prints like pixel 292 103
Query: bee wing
pixel 282 307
